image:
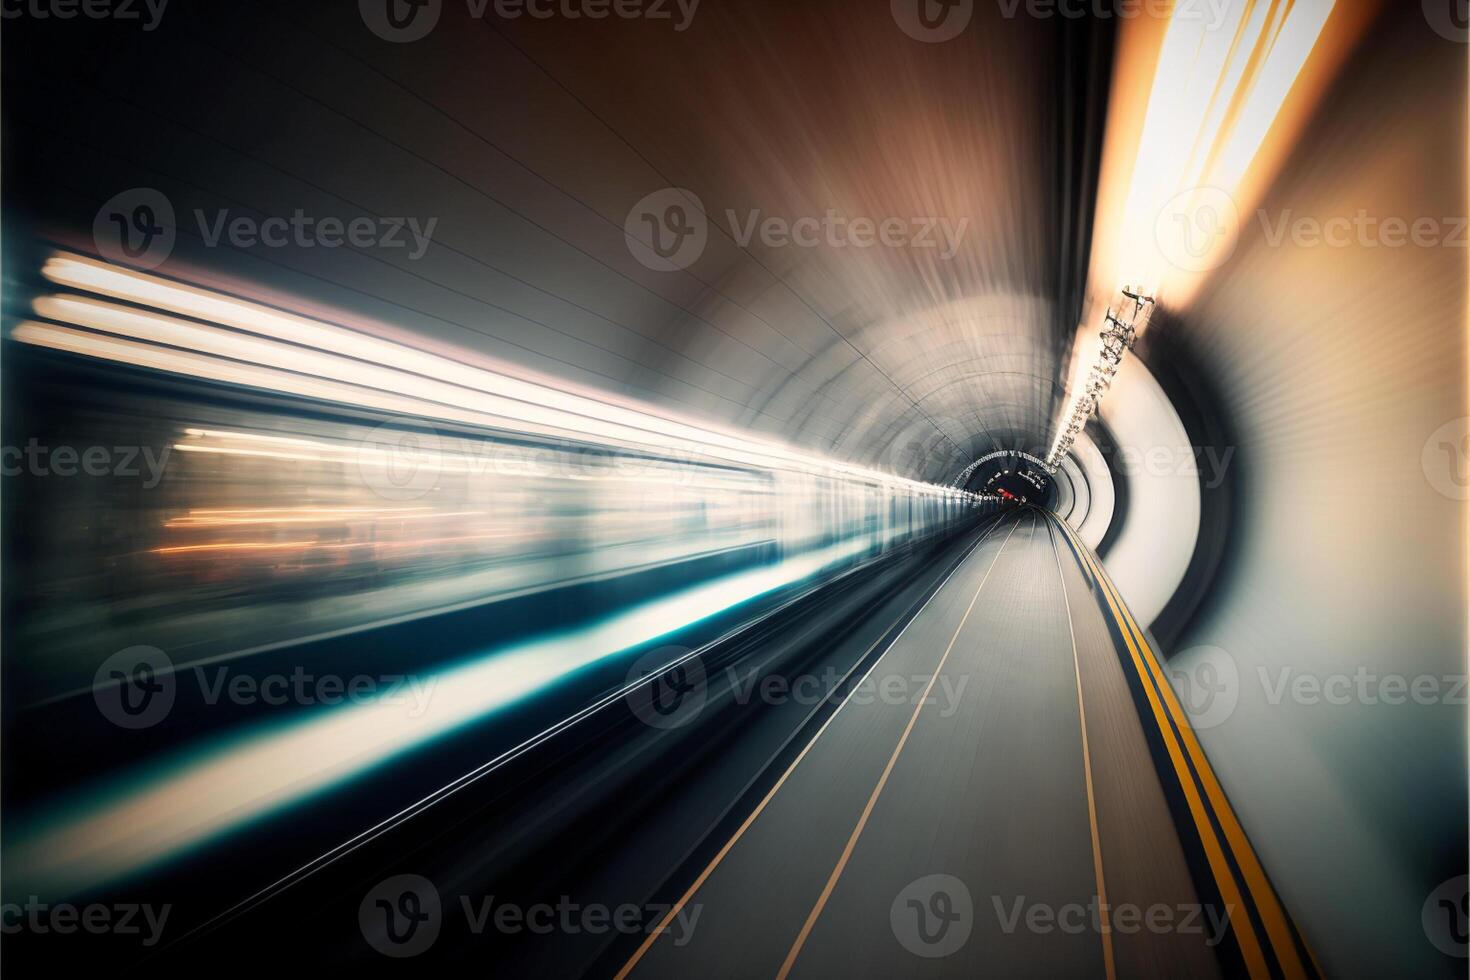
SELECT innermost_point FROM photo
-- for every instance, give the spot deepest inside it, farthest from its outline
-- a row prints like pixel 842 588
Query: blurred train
pixel 211 475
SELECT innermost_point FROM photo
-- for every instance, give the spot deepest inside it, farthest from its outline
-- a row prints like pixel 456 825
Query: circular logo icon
pixel 932 21
pixel 398 463
pixel 922 449
pixel 667 230
pixel 400 916
pixel 1446 917
pixel 135 228
pixel 400 21
pixel 1446 459
pixel 932 917
pixel 1207 683
pixel 664 696
pixel 134 688
pixel 1450 19
pixel 1197 229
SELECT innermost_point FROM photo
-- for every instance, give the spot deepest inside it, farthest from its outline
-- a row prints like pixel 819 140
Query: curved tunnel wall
pixel 1094 472
pixel 1343 578
pixel 1347 553
pixel 1156 535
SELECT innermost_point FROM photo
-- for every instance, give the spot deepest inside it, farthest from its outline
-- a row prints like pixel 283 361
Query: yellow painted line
pixel 1097 862
pixel 811 919
pixel 1264 896
pixel 729 845
pixel 1272 913
pixel 1250 946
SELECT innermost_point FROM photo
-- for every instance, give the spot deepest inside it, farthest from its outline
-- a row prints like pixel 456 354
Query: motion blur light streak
pixel 1216 93
pixel 250 775
pixel 826 487
pixel 184 802
pixel 511 399
pixel 1217 89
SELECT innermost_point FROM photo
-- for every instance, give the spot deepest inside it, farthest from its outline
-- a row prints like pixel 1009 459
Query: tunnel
pixel 666 488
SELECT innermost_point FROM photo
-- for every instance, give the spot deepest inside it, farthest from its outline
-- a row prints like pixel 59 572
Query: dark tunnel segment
pixel 1014 476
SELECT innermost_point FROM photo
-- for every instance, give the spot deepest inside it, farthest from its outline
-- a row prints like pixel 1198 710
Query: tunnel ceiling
pixel 530 142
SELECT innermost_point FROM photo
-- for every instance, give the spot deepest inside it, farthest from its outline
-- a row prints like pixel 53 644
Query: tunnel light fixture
pixel 1217 92
pixel 1122 323
pixel 1179 161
